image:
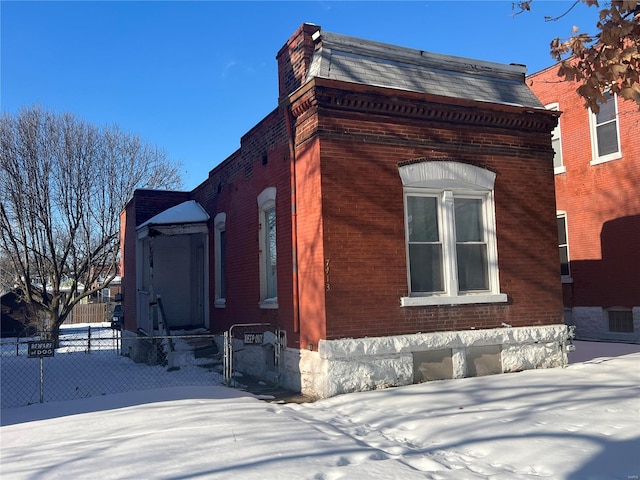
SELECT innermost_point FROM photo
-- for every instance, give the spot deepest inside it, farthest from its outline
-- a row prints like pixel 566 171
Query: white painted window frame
pixel 556 134
pixel 563 214
pixel 448 180
pixel 266 202
pixel 593 125
pixel 219 226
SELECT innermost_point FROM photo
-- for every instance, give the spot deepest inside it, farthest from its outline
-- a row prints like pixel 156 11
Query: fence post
pixel 41 380
pixel 89 340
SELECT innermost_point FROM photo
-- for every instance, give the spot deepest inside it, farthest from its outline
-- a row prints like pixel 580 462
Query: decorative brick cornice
pixel 420 107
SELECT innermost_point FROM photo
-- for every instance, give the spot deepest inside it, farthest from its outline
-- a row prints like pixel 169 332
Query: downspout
pixel 294 220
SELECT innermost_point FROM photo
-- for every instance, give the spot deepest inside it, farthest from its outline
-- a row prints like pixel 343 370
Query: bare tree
pixel 607 61
pixel 63 184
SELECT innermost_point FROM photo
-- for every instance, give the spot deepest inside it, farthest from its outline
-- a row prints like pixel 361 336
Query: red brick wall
pixel 601 201
pixel 310 243
pixel 233 188
pixel 350 220
pixel 363 224
pixel 294 59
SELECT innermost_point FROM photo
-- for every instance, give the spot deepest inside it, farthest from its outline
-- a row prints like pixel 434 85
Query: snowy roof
pixel 355 60
pixel 186 212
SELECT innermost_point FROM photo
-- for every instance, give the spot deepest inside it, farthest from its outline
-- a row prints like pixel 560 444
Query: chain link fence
pixel 96 360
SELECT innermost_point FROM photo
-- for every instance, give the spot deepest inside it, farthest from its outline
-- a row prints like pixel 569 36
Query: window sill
pixel 567 279
pixel 269 303
pixel 605 159
pixel 560 169
pixel 458 300
pixel 220 303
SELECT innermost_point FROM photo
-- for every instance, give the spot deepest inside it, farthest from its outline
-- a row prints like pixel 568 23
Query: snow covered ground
pixel 581 422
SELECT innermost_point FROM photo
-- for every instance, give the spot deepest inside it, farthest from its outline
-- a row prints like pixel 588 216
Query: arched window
pixel 220 249
pixel 268 251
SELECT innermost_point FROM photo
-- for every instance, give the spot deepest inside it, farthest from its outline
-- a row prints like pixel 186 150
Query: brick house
pixel 597 173
pixel 394 215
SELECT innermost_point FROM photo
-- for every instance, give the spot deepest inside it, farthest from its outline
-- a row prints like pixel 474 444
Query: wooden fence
pixel 90 313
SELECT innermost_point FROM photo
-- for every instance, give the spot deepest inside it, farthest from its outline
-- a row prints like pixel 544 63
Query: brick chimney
pixel 294 59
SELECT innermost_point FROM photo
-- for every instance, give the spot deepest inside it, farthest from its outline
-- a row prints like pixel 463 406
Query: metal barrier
pixel 253 335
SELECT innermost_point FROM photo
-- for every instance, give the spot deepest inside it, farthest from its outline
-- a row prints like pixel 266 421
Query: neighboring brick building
pixel 394 215
pixel 597 176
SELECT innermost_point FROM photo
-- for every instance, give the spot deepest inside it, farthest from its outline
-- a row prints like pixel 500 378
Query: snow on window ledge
pixel 220 303
pixel 453 300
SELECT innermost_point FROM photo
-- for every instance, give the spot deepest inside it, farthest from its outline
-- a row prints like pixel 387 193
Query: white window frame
pixel 562 214
pixel 557 135
pixel 597 159
pixel 266 202
pixel 219 225
pixel 448 180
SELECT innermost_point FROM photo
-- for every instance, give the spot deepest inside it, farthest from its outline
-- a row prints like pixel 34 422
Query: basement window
pixel 620 321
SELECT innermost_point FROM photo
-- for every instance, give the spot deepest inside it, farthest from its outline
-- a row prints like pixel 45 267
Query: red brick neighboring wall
pixel 601 201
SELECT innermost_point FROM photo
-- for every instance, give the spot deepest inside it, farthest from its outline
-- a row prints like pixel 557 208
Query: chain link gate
pixel 246 336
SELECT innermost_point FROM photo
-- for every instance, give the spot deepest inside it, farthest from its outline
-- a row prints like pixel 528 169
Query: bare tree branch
pixel 63 184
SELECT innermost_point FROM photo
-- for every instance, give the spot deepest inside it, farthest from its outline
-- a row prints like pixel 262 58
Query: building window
pixel 605 133
pixel 620 321
pixel 268 251
pixel 563 245
pixel 220 249
pixel 450 234
pixel 556 143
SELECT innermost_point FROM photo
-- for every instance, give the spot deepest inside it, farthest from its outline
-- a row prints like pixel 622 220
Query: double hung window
pixel 556 143
pixel 563 245
pixel 605 135
pixel 450 232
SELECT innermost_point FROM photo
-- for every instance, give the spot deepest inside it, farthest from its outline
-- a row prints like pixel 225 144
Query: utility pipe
pixel 294 219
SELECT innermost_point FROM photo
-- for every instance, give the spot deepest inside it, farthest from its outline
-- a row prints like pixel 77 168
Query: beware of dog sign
pixel 41 348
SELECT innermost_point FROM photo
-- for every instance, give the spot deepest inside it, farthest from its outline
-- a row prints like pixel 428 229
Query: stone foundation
pixel 352 365
pixel 592 323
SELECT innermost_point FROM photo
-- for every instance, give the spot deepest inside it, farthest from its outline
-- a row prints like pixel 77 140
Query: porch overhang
pixel 186 218
pixel 175 229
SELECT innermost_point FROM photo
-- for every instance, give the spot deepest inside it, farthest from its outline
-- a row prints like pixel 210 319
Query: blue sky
pixel 193 77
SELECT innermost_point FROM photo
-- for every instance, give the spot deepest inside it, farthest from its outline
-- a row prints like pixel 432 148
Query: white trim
pixel 595 158
pixel 446 181
pixel 219 224
pixel 448 175
pixel 557 133
pixel 269 303
pixel 266 196
pixel 453 300
pixel 563 214
pixel 176 229
pixel 266 202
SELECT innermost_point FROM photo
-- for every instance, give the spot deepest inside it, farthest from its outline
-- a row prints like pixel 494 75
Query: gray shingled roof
pixel 366 62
